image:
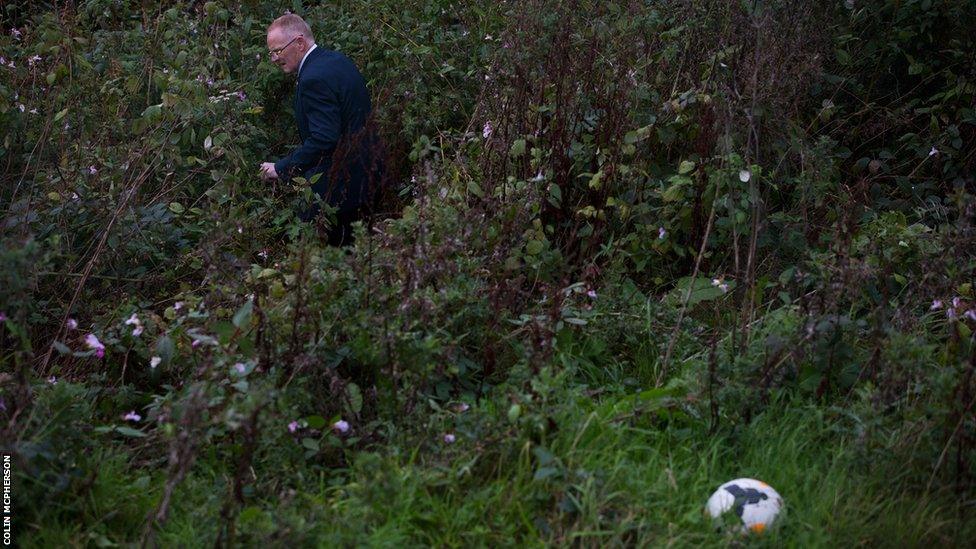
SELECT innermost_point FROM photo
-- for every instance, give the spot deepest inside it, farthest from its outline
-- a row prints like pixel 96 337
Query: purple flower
pixel 933 152
pixel 92 170
pixel 951 314
pixel 955 302
pixel 449 438
pixel 240 367
pixel 591 294
pixel 936 304
pixel 3 316
pixel 661 233
pixel 340 426
pixel 72 324
pixel 132 416
pixel 93 343
pixel 971 314
pixel 293 426
pixel 15 33
pixel 486 131
pixel 33 59
pixel 241 96
pixel 52 380
pixel 137 331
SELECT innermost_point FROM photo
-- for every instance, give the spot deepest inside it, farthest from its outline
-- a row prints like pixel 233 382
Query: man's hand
pixel 268 171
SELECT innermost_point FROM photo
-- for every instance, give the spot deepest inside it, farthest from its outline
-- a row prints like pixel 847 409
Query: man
pixel 331 108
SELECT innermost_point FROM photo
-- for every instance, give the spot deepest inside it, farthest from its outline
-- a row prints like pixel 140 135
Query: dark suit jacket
pixel 331 107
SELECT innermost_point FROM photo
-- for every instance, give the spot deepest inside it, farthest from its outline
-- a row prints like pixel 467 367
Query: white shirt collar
pixel 302 64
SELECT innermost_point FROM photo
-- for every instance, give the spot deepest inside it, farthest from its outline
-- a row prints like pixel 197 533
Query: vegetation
pixel 634 249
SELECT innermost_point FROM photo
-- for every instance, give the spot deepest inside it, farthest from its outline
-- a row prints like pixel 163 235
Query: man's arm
pixel 322 107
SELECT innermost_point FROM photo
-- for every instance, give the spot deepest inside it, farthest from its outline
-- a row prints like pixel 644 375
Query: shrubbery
pixel 630 250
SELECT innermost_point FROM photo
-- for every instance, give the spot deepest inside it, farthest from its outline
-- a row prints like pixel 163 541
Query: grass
pixel 595 481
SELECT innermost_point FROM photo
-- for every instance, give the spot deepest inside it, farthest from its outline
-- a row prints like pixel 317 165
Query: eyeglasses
pixel 277 51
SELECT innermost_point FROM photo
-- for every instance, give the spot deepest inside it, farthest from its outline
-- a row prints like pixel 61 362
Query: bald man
pixel 331 108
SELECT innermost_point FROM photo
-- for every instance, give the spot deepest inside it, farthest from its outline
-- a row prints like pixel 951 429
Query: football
pixel 754 502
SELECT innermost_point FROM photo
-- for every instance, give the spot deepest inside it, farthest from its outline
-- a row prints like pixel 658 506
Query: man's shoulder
pixel 325 62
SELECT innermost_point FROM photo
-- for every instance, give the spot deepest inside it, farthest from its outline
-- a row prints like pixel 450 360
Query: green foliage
pixel 631 251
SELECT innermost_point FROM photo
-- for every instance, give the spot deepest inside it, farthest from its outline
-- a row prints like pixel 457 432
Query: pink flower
pixel 449 438
pixel 340 426
pixel 93 343
pixel 293 426
pixel 195 344
pixel 72 324
pixel 591 294
pixel 936 304
pixel 132 416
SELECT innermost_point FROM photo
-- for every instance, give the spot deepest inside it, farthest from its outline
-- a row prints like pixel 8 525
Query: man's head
pixel 289 38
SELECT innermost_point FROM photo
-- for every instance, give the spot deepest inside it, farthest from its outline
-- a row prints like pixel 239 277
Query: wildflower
pixel 92 170
pixel 486 131
pixel 487 37
pixel 132 416
pixel 53 380
pixel 137 331
pixel 293 426
pixel 21 107
pixel 340 426
pixel 591 294
pixel 241 96
pixel 933 152
pixel 240 230
pixel 93 343
pixel 951 314
pixel 240 367
pixel 15 33
pixel 971 314
pixel 195 344
pixel 3 316
pixel 724 287
pixel 263 254
pixel 178 305
pixel 72 324
pixel 134 319
pixel 155 361
pixel 3 60
pixel 11 64
pixel 716 281
pixel 462 407
pixel 33 59
pixel 744 176
pixel 936 304
pixel 449 438
pixel 661 233
pixel 33 111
